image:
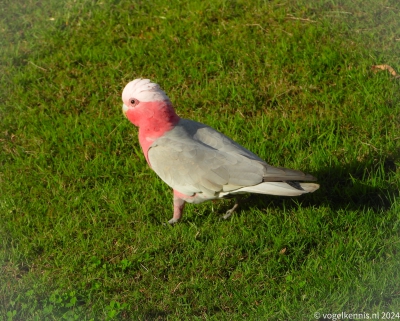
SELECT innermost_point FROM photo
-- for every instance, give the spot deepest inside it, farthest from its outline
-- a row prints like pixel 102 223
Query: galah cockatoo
pixel 198 162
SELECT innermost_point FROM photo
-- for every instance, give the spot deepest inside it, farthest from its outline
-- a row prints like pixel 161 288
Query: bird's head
pixel 144 102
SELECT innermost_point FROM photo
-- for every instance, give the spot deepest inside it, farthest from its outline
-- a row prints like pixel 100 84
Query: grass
pixel 81 231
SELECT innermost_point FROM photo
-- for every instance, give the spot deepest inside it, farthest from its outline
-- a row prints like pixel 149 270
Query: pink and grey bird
pixel 198 162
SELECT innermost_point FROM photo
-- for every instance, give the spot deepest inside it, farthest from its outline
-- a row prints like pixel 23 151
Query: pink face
pixel 141 91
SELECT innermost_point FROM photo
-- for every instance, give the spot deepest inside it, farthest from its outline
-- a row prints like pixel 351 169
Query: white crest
pixel 143 90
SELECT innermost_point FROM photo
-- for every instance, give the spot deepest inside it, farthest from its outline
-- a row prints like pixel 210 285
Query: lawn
pixel 82 216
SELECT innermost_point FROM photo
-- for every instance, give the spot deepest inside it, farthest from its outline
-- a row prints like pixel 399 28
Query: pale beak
pixel 124 109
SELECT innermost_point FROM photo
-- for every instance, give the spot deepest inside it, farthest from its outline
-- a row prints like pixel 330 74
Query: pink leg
pixel 179 204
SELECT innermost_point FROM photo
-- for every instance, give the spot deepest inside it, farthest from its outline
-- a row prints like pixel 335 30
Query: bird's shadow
pixel 352 186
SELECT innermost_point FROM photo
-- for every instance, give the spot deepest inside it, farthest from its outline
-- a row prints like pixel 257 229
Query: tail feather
pixel 309 187
pixel 279 174
pixel 279 188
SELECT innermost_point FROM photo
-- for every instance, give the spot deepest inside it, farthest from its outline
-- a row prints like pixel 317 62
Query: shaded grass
pixel 82 234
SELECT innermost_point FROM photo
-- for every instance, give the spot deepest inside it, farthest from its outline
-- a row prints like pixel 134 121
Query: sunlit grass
pixel 82 234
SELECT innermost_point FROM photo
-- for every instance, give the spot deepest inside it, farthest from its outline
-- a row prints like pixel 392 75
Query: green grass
pixel 81 214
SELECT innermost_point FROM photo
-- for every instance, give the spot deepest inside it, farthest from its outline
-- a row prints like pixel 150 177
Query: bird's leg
pixel 230 212
pixel 179 204
pixel 239 199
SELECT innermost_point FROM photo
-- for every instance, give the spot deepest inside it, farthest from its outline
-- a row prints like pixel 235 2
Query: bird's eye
pixel 134 101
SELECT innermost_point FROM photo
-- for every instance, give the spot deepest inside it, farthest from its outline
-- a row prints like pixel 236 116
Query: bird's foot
pixel 230 212
pixel 239 199
pixel 173 221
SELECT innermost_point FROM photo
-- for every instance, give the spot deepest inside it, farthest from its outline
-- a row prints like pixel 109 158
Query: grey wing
pixel 215 139
pixel 190 167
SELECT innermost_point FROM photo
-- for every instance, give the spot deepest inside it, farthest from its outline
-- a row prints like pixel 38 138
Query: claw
pixel 173 221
